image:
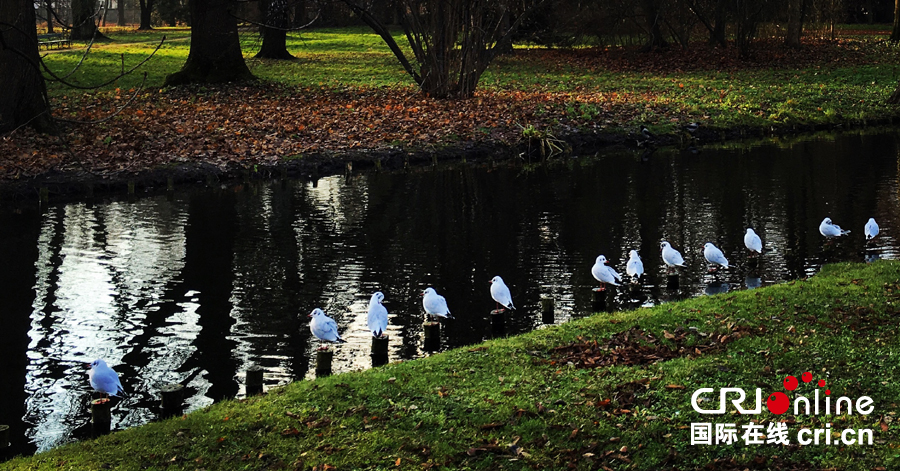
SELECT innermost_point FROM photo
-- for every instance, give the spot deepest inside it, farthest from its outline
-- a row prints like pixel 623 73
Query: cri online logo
pixel 778 402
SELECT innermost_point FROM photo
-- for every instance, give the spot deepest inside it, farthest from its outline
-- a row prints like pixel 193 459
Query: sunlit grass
pixel 437 411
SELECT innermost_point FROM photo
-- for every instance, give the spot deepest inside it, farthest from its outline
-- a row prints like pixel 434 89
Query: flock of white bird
pixel 106 381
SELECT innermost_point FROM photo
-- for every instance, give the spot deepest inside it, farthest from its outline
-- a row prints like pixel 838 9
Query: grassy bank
pixel 554 398
pixel 346 96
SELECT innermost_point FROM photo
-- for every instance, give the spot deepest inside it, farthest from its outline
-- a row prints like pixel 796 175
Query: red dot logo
pixel 790 383
pixel 778 403
pixel 807 377
pixel 821 383
pixel 827 392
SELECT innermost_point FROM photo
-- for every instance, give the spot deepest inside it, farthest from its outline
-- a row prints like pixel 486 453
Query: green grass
pixel 462 409
pixel 584 89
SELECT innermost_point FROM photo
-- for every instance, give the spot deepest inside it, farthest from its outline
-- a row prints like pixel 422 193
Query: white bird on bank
pixel 104 379
pixel 604 274
pixel 435 304
pixel 670 256
pixel 324 327
pixel 500 293
pixel 752 241
pixel 871 229
pixel 827 229
pixel 378 315
pixel 714 255
pixel 635 267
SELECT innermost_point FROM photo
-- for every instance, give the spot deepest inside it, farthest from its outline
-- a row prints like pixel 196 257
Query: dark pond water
pixel 201 285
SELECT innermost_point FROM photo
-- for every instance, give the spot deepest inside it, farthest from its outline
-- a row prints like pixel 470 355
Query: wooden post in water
pixel 672 282
pixel 547 314
pixel 170 189
pixel 4 438
pixel 498 322
pixel 432 336
pixel 380 350
pixel 89 190
pixel 131 187
pixel 254 383
pixel 323 362
pixel 101 417
pixel 598 300
pixel 171 399
pixel 44 194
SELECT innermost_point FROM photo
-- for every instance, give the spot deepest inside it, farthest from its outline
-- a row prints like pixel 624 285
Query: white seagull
pixel 500 293
pixel 105 379
pixel 324 327
pixel 670 256
pixel 378 315
pixel 635 267
pixel 604 274
pixel 752 241
pixel 871 229
pixel 435 304
pixel 830 230
pixel 714 255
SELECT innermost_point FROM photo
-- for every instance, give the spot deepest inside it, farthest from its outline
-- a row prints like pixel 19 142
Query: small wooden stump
pixel 101 416
pixel 4 437
pixel 380 350
pixel 498 322
pixel 254 384
pixel 131 188
pixel 598 300
pixel 171 399
pixel 323 362
pixel 44 194
pixel 547 314
pixel 672 282
pixel 432 336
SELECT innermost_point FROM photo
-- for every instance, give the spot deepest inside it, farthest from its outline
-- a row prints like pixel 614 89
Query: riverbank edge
pixel 233 433
pixel 63 186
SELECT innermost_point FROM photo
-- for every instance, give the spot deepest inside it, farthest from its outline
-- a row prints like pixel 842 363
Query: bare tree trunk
pixel 23 93
pixel 654 23
pixel 796 12
pixel 215 54
pixel 718 33
pixel 274 15
pixel 84 16
pixel 120 8
pixel 895 33
pixel 49 4
pixel 300 12
pixel 146 12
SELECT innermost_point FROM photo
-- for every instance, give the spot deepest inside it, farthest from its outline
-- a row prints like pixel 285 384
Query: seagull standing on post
pixel 435 304
pixel 752 241
pixel 500 293
pixel 871 229
pixel 714 255
pixel 635 267
pixel 829 230
pixel 104 379
pixel 670 256
pixel 604 274
pixel 324 328
pixel 378 315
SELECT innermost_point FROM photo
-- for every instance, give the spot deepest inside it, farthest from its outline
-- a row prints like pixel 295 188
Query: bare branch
pixel 81 87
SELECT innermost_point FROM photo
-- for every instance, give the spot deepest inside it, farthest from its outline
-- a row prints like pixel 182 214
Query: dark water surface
pixel 202 285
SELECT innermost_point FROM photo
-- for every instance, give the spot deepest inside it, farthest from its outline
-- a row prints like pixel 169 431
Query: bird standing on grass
pixel 104 379
pixel 500 293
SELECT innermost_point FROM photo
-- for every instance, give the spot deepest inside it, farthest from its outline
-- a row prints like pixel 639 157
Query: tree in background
pixel 276 20
pixel 23 93
pixel 146 14
pixel 452 41
pixel 895 33
pixel 215 54
pixel 84 15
